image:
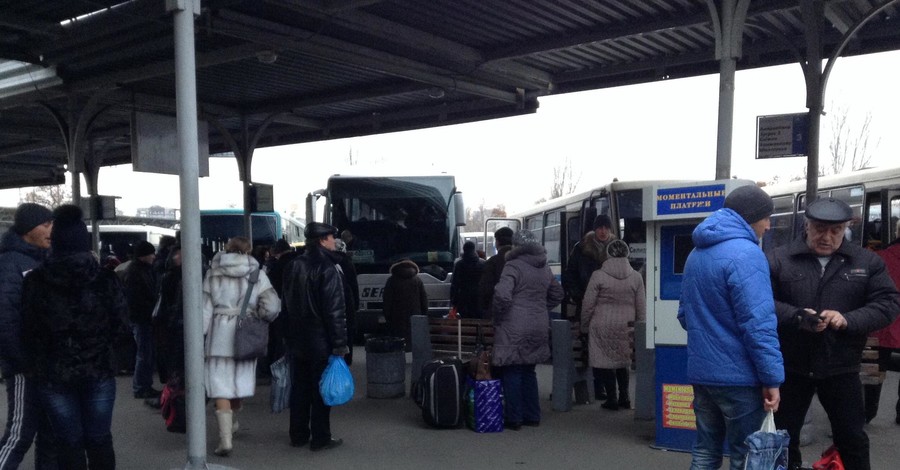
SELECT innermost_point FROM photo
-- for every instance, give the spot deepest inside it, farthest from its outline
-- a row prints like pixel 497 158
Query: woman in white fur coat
pixel 228 380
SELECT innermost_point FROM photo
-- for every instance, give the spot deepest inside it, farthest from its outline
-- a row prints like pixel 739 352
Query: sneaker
pixel 625 404
pixel 153 402
pixel 330 444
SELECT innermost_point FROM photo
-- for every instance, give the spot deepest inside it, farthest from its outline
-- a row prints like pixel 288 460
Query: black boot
pixel 599 389
pixel 622 379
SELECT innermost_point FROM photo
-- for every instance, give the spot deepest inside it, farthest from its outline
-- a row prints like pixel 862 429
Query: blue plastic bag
pixel 336 385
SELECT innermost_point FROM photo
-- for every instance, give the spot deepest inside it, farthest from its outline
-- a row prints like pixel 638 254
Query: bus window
pixel 552 236
pixel 895 215
pixel 535 224
pixel 854 198
pixel 780 232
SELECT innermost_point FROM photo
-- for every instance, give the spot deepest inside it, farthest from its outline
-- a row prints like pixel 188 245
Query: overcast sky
pixel 659 130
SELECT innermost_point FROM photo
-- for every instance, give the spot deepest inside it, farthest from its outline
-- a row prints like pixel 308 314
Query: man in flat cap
pixel 316 310
pixel 22 248
pixel 829 295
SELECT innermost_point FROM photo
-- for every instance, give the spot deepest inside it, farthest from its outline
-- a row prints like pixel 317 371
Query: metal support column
pixel 183 12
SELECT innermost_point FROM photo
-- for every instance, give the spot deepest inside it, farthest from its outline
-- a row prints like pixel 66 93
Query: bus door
pixel 882 211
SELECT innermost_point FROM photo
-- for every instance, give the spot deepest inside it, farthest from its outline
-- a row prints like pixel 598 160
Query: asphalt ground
pixel 390 434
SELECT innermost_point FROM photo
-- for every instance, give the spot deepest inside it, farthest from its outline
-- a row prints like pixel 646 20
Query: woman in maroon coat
pixel 888 338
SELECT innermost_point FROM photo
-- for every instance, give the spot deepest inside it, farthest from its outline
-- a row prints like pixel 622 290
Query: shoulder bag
pixel 251 334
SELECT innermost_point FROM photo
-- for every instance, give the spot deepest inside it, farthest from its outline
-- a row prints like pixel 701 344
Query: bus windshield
pixel 391 218
pixel 216 227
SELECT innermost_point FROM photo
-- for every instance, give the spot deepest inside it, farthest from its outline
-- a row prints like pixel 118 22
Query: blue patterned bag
pixel 768 447
pixel 484 403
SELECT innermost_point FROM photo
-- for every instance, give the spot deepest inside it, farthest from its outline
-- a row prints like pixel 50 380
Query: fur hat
pixel 143 248
pixel 602 220
pixel 750 202
pixel 69 234
pixel 28 216
pixel 524 237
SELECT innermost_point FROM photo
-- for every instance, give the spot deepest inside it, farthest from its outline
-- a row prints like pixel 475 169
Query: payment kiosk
pixel 671 213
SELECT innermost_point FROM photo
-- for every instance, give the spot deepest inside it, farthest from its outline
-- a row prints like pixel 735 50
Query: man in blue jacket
pixel 734 362
pixel 22 248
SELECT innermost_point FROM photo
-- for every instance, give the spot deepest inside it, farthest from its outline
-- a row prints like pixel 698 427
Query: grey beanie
pixel 524 237
pixel 750 202
pixel 28 216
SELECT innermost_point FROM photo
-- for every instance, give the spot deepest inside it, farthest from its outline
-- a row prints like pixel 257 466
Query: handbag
pixel 480 364
pixel 251 334
pixel 767 449
pixel 280 393
pixel 831 460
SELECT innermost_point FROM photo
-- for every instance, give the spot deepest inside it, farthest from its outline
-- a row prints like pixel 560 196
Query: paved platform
pixel 390 434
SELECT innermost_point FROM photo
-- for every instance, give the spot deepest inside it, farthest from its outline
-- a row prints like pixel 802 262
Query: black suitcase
pixel 440 393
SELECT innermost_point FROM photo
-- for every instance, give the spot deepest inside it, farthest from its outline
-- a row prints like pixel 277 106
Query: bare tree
pixel 50 196
pixel 563 180
pixel 475 217
pixel 848 144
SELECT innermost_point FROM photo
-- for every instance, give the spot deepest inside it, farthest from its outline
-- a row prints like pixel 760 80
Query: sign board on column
pixel 782 135
pixel 262 197
pixel 154 146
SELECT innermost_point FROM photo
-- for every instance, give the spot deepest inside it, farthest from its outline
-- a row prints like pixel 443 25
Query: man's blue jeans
pixel 143 362
pixel 81 417
pixel 520 391
pixel 725 415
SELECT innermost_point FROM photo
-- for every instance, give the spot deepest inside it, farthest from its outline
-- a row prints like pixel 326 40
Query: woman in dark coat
pixel 72 315
pixel 404 296
pixel 527 291
pixel 464 286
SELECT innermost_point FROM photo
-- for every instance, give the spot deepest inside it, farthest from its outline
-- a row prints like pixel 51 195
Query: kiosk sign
pixel 689 200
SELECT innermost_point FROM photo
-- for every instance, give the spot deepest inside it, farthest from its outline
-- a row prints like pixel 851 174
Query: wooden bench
pixel 440 338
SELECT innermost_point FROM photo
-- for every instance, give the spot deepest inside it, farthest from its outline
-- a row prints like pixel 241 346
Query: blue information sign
pixel 690 199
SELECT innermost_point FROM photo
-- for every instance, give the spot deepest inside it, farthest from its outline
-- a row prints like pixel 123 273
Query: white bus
pixel 392 218
pixel 121 239
pixel 874 196
pixel 478 238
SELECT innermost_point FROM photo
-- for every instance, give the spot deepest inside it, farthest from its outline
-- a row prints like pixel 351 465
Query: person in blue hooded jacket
pixel 734 361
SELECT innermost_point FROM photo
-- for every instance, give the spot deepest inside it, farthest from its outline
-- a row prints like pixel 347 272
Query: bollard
pixel 421 347
pixel 563 365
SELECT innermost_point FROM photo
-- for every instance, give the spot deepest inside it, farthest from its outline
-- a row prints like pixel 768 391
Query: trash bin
pixel 385 367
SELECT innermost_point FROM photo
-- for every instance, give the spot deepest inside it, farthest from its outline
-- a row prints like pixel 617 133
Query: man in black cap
pixel 492 268
pixel 829 295
pixel 586 257
pixel 315 306
pixel 142 294
pixel 22 248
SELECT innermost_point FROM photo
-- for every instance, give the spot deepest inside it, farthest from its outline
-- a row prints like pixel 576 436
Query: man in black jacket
pixel 22 249
pixel 829 295
pixel 142 294
pixel 316 329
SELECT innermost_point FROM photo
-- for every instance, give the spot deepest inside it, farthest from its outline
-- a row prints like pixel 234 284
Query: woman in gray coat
pixel 525 294
pixel 613 298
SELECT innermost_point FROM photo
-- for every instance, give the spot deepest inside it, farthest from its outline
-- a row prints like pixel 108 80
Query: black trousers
pixel 310 417
pixel 842 398
pixel 607 379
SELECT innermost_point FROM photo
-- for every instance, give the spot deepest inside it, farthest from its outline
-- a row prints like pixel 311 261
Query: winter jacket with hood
pixel 17 257
pixel 493 267
pixel 315 305
pixel 727 309
pixel 224 288
pixel 404 296
pixel 587 256
pixel 73 313
pixel 855 283
pixel 614 297
pixel 523 298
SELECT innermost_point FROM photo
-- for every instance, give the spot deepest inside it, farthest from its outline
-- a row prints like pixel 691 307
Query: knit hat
pixel 28 216
pixel 143 248
pixel 69 234
pixel 617 249
pixel 503 236
pixel 750 202
pixel 524 237
pixel 602 220
pixel 469 247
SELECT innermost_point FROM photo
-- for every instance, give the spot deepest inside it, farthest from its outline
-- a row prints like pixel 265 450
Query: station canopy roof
pixel 327 69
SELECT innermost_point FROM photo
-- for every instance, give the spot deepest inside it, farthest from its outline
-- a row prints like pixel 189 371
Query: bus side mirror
pixel 459 209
